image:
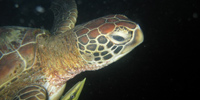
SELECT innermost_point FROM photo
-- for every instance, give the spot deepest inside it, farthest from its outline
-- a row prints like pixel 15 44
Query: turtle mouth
pixel 137 38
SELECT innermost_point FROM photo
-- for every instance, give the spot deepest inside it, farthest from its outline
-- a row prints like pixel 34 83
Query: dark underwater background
pixel 164 67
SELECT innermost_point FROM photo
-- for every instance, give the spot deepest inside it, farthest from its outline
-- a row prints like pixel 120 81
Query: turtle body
pixel 36 63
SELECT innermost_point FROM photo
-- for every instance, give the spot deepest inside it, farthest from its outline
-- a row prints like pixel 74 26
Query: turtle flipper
pixel 75 91
pixel 65 14
pixel 32 92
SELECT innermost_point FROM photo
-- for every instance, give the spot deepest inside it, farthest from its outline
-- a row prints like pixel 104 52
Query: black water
pixel 163 67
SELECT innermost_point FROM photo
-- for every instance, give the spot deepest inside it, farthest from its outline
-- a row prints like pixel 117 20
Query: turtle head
pixel 105 40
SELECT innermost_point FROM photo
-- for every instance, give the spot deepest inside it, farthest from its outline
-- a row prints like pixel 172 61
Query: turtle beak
pixel 137 38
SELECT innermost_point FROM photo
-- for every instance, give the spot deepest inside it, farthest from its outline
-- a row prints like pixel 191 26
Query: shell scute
pixel 29 36
pixel 28 53
pixel 17 55
pixel 10 66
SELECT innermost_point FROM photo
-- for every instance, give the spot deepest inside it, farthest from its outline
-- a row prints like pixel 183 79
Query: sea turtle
pixel 35 63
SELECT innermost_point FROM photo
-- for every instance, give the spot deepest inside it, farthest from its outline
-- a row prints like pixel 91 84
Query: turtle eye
pixel 120 35
pixel 118 38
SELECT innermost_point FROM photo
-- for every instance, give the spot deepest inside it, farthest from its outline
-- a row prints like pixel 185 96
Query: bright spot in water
pixel 40 9
pixel 16 5
pixel 195 15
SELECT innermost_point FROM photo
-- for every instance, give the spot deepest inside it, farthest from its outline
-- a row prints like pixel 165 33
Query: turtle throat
pixel 60 58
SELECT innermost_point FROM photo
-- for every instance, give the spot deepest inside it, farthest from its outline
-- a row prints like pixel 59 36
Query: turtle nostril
pixel 130 32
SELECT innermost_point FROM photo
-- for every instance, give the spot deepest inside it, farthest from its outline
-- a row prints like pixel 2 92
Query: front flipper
pixel 32 92
pixel 65 15
pixel 75 91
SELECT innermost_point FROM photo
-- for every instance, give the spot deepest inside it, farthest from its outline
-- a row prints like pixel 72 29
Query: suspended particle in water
pixel 195 15
pixel 16 6
pixel 40 9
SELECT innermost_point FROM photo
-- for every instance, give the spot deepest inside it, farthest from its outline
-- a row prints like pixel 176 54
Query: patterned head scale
pixel 106 39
